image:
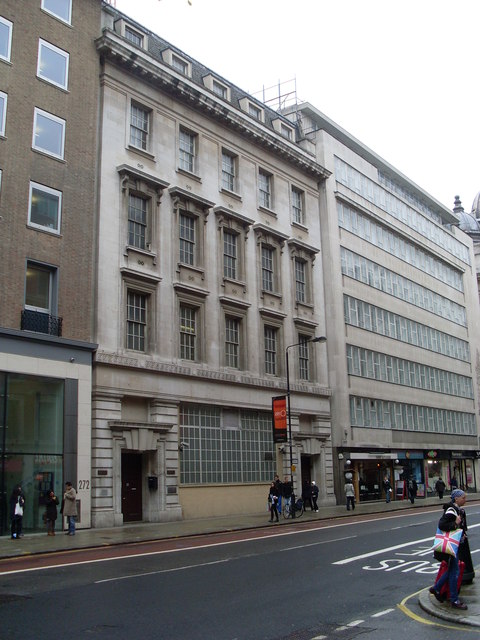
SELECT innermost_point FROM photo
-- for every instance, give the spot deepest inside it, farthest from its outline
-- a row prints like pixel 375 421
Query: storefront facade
pixel 45 422
pixel 368 470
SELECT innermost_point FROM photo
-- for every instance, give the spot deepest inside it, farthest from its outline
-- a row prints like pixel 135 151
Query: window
pixel 139 126
pixel 265 189
pixel 180 65
pixel 187 151
pixel 134 37
pixel 5 39
pixel 298 215
pixel 230 240
pixel 303 358
pixel 59 8
pixel 229 162
pixel 52 64
pixel 254 111
pixel 3 112
pixel 187 239
pixel 286 132
pixel 232 342
pixel 270 345
pixel 136 320
pixel 44 207
pixel 38 288
pixel 41 300
pixel 137 221
pixel 268 263
pixel 300 281
pixel 48 133
pixel 220 90
pixel 188 332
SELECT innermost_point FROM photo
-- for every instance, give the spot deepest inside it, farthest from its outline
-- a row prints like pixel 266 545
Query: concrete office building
pixel 209 268
pixel 403 322
pixel 48 114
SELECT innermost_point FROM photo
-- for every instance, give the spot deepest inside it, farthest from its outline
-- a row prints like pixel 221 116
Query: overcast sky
pixel 401 76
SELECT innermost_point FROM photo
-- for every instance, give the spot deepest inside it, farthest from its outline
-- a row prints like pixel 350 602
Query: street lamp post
pixel 314 339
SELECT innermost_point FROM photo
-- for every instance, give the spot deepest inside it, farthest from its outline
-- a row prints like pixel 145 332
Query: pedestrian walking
pixel 69 509
pixel 440 487
pixel 451 519
pixel 412 489
pixel 350 495
pixel 453 483
pixel 387 487
pixel 307 495
pixel 17 504
pixel 51 502
pixel 314 496
pixel 272 501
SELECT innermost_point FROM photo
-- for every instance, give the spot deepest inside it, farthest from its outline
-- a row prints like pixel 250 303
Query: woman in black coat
pixel 51 502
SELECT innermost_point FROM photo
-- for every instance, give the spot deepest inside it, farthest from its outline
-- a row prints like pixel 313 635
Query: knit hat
pixel 457 493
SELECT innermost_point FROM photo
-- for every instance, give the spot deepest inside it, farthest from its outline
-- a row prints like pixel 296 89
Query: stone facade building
pixel 209 267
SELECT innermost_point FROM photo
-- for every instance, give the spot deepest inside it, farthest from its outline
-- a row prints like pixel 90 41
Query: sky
pixel 400 76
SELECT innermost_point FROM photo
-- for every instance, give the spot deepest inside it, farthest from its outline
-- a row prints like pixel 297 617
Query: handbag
pixel 18 509
pixel 447 541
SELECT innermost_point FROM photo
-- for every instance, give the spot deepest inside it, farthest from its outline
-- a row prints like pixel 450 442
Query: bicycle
pixel 297 508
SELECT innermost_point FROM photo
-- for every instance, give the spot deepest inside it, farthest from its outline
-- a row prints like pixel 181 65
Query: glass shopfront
pixel 31 443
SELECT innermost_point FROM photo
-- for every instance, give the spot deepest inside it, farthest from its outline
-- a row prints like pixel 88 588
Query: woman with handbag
pixel 17 502
pixel 451 520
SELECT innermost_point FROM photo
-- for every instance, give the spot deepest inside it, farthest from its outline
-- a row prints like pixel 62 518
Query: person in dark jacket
pixel 412 489
pixel 307 495
pixel 315 493
pixel 17 503
pixel 272 501
pixel 440 488
pixel 51 502
pixel 453 517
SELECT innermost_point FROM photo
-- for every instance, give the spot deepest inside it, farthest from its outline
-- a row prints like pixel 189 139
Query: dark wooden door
pixel 131 487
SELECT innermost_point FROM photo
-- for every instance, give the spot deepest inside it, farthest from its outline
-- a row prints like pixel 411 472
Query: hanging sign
pixel 279 422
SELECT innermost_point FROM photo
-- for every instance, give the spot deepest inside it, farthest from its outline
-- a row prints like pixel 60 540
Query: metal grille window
pixel 228 172
pixel 136 320
pixel 229 254
pixel 303 358
pixel 137 221
pixel 297 206
pixel 219 451
pixel 265 189
pixel 187 150
pixel 188 332
pixel 300 282
pixel 187 239
pixel 267 268
pixel 270 342
pixel 139 127
pixel 232 342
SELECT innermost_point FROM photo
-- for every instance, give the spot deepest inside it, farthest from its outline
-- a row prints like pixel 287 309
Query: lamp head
pixel 318 339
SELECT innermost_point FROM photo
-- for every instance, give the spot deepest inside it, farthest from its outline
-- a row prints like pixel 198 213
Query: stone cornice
pixel 119 52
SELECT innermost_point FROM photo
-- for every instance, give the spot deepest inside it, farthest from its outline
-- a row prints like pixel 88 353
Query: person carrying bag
pixel 447 548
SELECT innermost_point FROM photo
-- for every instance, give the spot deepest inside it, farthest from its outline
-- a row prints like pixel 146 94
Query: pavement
pixel 40 543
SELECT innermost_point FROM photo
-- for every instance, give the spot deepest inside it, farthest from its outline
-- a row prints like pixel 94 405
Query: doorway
pixel 132 508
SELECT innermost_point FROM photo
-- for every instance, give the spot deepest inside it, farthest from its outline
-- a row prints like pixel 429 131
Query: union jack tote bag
pixel 447 541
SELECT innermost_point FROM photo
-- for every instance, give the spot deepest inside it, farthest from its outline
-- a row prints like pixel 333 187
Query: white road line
pixel 315 544
pixel 154 573
pixel 355 623
pixel 397 546
pixel 382 613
